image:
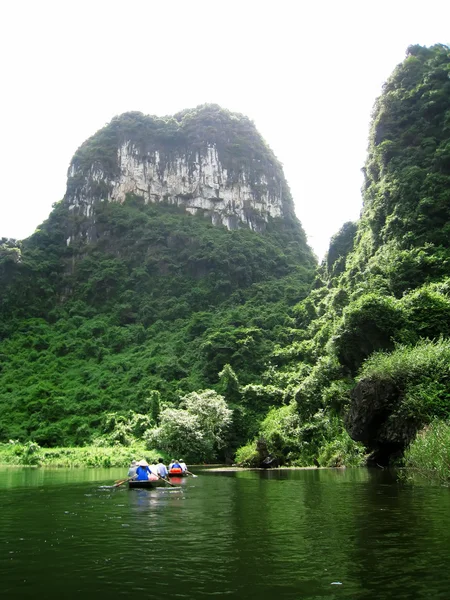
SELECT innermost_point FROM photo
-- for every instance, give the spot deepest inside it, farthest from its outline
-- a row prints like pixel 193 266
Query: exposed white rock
pixel 200 185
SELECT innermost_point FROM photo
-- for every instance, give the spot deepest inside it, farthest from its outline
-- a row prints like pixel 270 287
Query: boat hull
pixel 145 484
pixel 177 474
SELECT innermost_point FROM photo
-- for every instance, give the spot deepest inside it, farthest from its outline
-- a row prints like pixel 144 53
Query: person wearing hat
pixel 143 472
pixel 132 469
pixel 182 465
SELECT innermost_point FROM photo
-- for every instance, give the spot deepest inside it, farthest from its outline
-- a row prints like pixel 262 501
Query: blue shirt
pixel 142 473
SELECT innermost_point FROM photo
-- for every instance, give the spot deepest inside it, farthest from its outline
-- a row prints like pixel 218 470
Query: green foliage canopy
pixel 197 431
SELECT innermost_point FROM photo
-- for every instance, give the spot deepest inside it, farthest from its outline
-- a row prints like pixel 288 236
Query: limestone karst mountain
pixel 175 264
pixel 207 160
pixel 174 253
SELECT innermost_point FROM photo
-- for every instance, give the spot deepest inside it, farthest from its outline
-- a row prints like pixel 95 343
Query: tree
pixel 212 412
pixel 229 384
pixel 197 431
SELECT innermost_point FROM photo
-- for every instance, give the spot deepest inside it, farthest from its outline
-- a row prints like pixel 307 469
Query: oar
pixel 166 481
pixel 189 473
pixel 122 481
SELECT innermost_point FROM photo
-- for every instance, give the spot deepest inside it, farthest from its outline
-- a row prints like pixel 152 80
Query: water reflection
pixel 13 477
pixel 354 534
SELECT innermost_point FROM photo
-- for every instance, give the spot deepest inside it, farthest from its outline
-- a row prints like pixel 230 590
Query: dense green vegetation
pixel 163 302
pixel 164 307
pixel 155 309
pixel 383 287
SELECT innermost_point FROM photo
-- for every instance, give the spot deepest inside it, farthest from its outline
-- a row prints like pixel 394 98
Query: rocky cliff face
pixel 206 160
pixel 372 419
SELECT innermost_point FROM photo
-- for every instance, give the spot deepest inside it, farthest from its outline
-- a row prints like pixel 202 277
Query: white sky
pixel 307 73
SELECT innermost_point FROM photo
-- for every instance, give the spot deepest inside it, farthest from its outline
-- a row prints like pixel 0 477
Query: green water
pixel 353 534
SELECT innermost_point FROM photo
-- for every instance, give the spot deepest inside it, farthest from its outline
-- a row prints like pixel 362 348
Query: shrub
pixel 342 451
pixel 281 431
pixel 248 456
pixel 30 454
pixel 428 313
pixel 421 374
pixel 368 324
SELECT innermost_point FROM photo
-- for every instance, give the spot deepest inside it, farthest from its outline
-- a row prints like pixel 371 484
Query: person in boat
pixel 175 467
pixel 172 462
pixel 143 472
pixel 154 468
pixel 162 469
pixel 132 469
pixel 182 465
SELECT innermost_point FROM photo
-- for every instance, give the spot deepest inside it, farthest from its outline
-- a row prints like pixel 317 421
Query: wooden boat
pixel 152 483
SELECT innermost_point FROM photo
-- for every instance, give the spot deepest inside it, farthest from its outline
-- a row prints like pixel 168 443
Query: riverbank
pixel 222 469
pixel 31 454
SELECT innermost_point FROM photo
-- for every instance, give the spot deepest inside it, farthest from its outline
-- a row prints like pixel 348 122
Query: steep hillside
pixel 122 300
pixel 384 287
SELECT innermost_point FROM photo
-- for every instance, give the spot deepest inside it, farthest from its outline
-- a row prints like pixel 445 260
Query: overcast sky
pixel 307 73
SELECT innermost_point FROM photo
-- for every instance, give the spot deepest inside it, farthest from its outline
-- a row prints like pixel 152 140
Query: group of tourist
pixel 142 471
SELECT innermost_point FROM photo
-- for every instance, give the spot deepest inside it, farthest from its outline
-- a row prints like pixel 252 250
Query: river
pixel 303 534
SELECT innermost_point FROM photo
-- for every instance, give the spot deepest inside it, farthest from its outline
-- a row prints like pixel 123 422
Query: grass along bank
pixel 31 454
pixel 428 456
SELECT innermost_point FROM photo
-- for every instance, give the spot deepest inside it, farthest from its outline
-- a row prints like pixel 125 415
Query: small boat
pixel 152 483
pixel 177 473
